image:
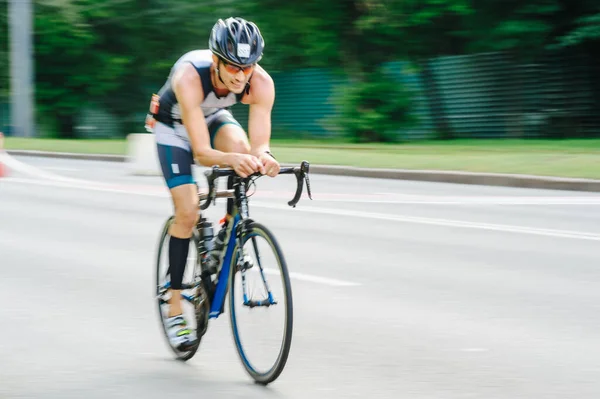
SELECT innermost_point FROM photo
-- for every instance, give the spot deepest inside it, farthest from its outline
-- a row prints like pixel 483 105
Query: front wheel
pixel 260 257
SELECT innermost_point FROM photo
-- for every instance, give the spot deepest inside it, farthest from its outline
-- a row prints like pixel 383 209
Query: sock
pixel 178 253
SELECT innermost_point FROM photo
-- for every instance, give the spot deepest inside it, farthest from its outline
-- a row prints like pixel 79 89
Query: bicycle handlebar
pixel 301 173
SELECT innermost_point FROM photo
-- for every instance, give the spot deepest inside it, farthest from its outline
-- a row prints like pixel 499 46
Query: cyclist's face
pixel 235 77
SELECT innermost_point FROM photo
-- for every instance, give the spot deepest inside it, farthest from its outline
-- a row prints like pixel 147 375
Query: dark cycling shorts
pixel 176 164
pixel 174 151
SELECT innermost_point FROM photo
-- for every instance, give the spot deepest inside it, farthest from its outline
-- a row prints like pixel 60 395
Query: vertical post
pixel 21 67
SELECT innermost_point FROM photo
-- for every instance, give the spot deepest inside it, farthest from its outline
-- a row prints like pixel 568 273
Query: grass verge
pixel 566 158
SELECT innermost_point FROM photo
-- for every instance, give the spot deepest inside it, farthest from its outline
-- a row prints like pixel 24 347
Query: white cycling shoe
pixel 181 337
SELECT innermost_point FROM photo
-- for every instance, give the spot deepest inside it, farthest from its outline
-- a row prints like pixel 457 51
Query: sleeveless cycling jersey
pixel 169 111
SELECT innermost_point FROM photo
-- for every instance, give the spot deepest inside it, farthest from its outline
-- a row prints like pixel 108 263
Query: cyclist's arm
pixel 188 90
pixel 259 118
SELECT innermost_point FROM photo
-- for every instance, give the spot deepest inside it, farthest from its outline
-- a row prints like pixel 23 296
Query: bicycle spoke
pixel 262 273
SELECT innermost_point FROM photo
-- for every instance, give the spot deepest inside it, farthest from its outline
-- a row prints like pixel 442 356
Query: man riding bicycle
pixel 191 123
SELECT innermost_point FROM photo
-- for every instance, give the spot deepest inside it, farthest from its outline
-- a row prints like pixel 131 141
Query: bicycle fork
pixel 245 263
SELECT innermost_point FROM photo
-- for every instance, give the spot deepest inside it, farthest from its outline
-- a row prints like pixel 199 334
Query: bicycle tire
pixel 273 373
pixel 180 355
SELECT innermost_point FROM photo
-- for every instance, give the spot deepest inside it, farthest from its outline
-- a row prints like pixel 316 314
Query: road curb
pixel 69 155
pixel 458 177
pixel 439 176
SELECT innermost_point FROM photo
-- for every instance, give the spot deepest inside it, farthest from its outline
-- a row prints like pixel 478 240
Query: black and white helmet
pixel 237 41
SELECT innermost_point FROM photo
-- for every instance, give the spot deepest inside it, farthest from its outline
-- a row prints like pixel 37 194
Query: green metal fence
pixel 491 95
pixel 488 95
pixel 303 102
pixel 478 96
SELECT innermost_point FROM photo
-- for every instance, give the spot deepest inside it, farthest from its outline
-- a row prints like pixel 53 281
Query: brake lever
pixel 298 194
pixel 211 176
pixel 301 175
pixel 304 168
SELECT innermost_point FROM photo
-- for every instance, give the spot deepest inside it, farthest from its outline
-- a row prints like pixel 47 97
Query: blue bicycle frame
pixel 241 215
pixel 223 277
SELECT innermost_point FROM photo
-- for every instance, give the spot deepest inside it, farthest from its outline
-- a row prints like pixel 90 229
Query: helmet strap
pixel 219 76
pixel 247 89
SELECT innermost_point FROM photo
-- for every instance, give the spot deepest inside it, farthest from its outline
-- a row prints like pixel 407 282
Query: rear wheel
pixel 194 299
pixel 262 259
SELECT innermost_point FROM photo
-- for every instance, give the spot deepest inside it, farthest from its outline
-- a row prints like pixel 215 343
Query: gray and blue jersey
pixel 169 129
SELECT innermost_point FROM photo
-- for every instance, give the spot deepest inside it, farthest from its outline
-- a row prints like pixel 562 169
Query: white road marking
pixel 396 198
pixel 59 181
pixel 159 192
pixel 61 168
pixel 85 185
pixel 300 276
pixel 304 277
pixel 446 200
pixel 442 222
pixel 15 165
pixel 349 213
pixel 314 279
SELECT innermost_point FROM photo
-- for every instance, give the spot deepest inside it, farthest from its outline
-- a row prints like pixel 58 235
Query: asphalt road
pixel 401 290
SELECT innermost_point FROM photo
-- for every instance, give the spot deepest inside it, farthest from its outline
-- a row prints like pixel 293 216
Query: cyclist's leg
pixel 226 135
pixel 185 197
pixel 176 163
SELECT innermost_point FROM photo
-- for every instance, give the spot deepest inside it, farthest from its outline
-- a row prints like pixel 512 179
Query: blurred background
pixel 401 289
pixel 362 70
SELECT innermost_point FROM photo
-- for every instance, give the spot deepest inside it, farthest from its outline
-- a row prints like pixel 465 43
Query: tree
pixel 114 54
pixel 104 55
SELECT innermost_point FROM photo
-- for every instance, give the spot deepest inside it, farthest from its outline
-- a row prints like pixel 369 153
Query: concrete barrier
pixel 142 158
pixel 3 171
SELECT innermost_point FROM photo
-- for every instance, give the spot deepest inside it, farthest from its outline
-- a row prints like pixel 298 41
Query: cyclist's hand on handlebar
pixel 271 165
pixel 245 165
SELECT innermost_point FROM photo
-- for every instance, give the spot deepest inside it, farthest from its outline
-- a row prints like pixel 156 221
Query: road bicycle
pixel 210 283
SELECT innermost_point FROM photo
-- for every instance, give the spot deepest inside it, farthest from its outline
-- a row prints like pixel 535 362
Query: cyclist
pixel 191 123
